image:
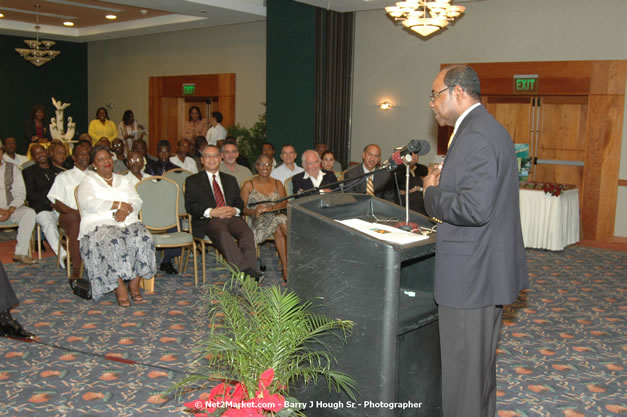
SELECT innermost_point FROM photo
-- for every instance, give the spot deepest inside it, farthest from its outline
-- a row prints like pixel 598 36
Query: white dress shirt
pixel 211 176
pixel 215 133
pixel 63 187
pixel 18 189
pixel 282 172
pixel 133 179
pixel 17 161
pixel 189 163
pixel 96 197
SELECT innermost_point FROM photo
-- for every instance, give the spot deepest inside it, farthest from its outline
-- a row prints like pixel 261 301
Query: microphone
pixel 418 146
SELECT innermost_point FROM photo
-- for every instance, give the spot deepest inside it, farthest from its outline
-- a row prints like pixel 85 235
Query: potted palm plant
pixel 263 341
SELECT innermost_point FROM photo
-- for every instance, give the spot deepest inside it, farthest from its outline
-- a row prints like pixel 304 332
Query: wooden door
pixel 561 140
pixel 172 111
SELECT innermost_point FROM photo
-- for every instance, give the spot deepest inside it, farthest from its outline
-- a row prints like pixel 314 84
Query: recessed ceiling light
pixel 68 23
pixel 1 15
pixel 111 16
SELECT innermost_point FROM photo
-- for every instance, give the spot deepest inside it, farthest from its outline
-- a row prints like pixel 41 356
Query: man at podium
pixel 480 259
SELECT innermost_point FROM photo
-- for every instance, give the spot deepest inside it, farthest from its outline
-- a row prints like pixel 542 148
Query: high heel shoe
pixel 138 298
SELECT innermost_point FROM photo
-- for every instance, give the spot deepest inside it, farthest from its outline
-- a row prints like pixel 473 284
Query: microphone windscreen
pixel 396 157
pixel 425 147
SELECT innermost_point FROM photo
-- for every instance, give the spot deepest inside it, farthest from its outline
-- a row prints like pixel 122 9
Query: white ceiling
pixel 182 14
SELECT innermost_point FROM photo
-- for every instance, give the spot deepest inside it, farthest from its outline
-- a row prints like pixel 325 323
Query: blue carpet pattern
pixel 562 349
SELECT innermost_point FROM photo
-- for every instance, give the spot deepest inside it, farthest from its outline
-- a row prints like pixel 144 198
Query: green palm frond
pixel 254 328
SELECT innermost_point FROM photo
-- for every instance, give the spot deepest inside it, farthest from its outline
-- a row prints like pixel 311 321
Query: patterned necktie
pixel 217 192
pixel 370 186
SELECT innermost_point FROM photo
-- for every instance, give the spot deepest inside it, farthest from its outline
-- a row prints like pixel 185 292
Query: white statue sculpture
pixel 56 124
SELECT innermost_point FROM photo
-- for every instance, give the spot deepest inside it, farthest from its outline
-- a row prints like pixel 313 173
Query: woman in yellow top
pixel 101 126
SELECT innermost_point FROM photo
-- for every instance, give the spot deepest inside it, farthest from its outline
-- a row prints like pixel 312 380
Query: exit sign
pixel 526 84
pixel 189 89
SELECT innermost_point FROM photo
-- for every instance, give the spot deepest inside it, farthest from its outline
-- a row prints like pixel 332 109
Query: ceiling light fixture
pixel 68 23
pixel 1 15
pixel 425 17
pixel 111 16
pixel 386 105
pixel 39 52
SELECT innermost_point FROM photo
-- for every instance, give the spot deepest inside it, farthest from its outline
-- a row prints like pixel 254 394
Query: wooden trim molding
pixel 622 183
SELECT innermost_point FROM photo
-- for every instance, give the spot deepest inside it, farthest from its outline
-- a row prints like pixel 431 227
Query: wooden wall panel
pixel 601 165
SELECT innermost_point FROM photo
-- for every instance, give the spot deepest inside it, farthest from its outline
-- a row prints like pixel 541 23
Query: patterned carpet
pixel 562 350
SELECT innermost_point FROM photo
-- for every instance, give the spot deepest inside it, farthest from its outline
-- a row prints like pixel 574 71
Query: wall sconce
pixel 386 105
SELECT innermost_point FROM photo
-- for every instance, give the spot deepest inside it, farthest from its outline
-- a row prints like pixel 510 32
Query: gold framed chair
pixel 159 213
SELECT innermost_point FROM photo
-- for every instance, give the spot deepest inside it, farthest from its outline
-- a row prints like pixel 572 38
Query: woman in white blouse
pixel 115 245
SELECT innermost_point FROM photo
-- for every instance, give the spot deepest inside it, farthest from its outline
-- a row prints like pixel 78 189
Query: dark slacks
pixel 242 253
pixel 7 295
pixel 71 223
pixel 468 340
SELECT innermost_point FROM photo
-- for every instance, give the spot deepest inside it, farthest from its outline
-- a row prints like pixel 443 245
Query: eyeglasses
pixel 434 95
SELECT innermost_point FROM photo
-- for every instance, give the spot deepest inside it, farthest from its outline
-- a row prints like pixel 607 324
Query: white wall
pixel 118 69
pixel 391 63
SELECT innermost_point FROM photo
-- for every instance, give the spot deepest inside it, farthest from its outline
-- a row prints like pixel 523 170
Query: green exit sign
pixel 526 83
pixel 189 89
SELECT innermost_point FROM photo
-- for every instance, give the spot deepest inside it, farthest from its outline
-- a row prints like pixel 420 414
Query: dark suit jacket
pixel 199 197
pixel 30 130
pixel 159 168
pixel 480 258
pixel 300 183
pixel 383 183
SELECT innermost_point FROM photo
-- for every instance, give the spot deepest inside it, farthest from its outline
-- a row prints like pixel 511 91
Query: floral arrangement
pixel 553 189
pixel 233 401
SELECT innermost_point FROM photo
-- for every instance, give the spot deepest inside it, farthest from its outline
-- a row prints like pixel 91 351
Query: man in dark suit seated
pixel 213 200
pixel 380 184
pixel 480 262
pixel 313 176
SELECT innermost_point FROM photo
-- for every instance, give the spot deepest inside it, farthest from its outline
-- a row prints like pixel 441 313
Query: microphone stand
pixel 353 181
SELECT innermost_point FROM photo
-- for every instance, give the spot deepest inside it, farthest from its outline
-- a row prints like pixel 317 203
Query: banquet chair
pixel 9 225
pixel 159 213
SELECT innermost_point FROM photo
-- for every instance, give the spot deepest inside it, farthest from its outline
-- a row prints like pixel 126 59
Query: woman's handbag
pixel 82 288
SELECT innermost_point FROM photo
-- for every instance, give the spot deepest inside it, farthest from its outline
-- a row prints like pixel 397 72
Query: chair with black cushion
pixel 159 213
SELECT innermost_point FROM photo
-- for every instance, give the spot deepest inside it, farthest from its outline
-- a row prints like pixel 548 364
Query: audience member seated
pixel 288 168
pixel 416 173
pixel 10 153
pixel 9 327
pixel 101 126
pixel 140 146
pixel 119 151
pixel 136 171
pixel 38 179
pixel 230 166
pixel 181 159
pixel 63 200
pixel 195 151
pixel 241 159
pixel 214 202
pixel 195 125
pixel 313 176
pixel 13 210
pixel 115 246
pixel 58 154
pixel 129 130
pixel 216 131
pixel 327 161
pixel 267 149
pixel 380 184
pixel 118 166
pixel 162 164
pixel 36 130
pixel 267 219
pixel 321 148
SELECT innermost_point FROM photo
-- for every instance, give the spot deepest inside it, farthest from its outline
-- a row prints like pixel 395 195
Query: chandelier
pixel 38 52
pixel 425 17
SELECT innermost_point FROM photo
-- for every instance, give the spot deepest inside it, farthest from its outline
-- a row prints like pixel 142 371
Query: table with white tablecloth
pixel 549 222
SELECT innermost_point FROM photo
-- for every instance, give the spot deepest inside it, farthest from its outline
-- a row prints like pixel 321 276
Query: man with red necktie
pixel 213 199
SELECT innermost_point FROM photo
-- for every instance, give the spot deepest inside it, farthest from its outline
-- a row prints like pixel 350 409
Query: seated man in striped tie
pixel 213 199
pixel 380 184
